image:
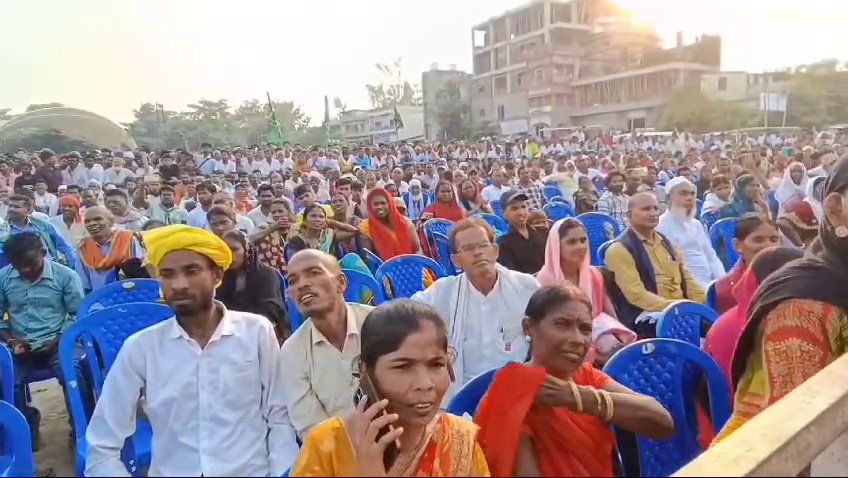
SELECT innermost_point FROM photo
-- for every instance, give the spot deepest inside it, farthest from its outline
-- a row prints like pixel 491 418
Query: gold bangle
pixel 577 396
pixel 600 401
pixel 610 406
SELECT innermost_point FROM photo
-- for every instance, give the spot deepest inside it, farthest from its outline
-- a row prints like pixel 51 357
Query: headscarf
pixel 412 184
pixel 177 237
pixel 820 275
pixel 451 210
pixel 73 201
pixel 469 204
pixel 788 191
pixel 393 240
pixel 739 205
pixel 815 199
pixel 800 214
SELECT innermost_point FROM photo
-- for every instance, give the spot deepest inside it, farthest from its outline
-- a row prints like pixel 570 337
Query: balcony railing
pixel 787 436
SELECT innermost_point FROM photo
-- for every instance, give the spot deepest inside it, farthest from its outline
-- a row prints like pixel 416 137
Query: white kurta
pixel 689 236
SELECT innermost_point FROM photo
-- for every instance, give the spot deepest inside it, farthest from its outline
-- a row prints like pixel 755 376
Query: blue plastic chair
pixel 682 321
pixel 600 228
pixel 662 368
pixel 356 281
pixel 556 210
pixel 17 459
pixel 709 218
pixel 295 317
pixel 560 199
pixel 774 206
pixel 468 397
pixel 102 334
pixel 721 236
pixel 699 205
pixel 499 225
pixel 371 260
pixel 405 274
pixel 602 251
pixel 7 374
pixel 710 296
pixel 443 253
pixel 497 208
pixel 550 191
pixel 442 226
pixel 121 292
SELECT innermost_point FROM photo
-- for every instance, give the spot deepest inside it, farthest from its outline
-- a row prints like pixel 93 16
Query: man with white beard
pixel 680 225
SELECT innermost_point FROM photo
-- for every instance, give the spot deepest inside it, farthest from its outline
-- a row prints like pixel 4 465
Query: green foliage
pixel 453 114
pixel 42 106
pixel 393 90
pixel 690 110
pixel 5 114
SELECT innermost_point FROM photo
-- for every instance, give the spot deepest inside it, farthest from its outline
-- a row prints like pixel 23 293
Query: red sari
pixel 567 443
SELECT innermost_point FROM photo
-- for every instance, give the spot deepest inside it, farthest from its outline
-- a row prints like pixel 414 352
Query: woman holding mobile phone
pixel 397 428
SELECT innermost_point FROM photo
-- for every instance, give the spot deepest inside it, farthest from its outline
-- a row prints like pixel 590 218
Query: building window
pixel 722 83
pixel 481 113
pixel 519 79
pixel 500 83
pixel 501 113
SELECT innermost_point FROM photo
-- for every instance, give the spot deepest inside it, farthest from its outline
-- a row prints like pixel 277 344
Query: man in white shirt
pixel 210 377
pixel 680 226
pixel 319 356
pixel 483 307
pixel 494 191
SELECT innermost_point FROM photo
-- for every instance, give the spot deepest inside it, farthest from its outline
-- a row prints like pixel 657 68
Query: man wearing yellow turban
pixel 209 376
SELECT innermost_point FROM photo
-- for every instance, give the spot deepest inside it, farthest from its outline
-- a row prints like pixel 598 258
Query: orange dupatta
pixel 567 443
pixel 119 251
pixel 388 242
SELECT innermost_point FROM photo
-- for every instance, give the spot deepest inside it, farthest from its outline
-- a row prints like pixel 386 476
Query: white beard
pixel 681 213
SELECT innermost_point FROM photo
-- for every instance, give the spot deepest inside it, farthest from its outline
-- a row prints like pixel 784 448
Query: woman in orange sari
pixel 387 232
pixel 445 206
pixel 552 415
pixel 404 370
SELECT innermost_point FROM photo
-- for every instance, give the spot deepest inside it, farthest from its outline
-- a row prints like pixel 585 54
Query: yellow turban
pixel 163 240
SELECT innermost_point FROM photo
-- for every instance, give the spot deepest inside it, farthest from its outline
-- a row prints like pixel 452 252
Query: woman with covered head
pixel 551 416
pixel 567 261
pixel 387 232
pixel 793 185
pixel 746 198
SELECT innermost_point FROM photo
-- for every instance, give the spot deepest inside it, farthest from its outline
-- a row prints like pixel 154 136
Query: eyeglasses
pixel 475 247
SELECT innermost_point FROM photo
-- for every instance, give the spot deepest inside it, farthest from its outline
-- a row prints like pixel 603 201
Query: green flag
pixel 275 130
pixel 398 119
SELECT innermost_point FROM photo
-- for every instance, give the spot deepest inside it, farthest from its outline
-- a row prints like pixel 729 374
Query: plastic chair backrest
pixel 774 206
pixel 121 292
pixel 7 374
pixel 602 251
pixel 443 253
pixel 721 236
pixel 442 226
pixel 295 317
pixel 560 199
pixel 372 260
pixel 356 281
pixel 550 191
pixel 498 224
pixel 682 320
pixel 709 218
pixel 661 368
pixel 497 208
pixel 699 205
pixel 710 296
pixel 405 273
pixel 600 228
pixel 102 334
pixel 468 397
pixel 17 459
pixel 556 210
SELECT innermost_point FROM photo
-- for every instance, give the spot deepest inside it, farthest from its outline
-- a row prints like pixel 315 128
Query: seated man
pixel 107 254
pixel 210 377
pixel 41 298
pixel 319 356
pixel 649 271
pixel 21 217
pixel 522 248
pixel 483 307
pixel 686 232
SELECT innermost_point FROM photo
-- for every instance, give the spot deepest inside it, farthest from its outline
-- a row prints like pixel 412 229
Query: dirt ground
pixel 55 429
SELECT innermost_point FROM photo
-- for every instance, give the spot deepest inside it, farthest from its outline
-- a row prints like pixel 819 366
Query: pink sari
pixel 592 284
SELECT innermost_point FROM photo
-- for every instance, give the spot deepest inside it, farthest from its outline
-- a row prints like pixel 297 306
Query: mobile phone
pixel 366 389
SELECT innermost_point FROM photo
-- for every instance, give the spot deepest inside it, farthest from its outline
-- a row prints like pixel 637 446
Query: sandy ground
pixel 55 429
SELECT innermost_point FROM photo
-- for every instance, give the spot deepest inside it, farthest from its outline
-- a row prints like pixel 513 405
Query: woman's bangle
pixel 577 398
pixel 610 406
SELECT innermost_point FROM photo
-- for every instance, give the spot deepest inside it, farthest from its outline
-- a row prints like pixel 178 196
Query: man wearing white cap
pixel 680 225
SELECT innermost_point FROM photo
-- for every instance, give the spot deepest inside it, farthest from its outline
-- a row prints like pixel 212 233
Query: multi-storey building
pixel 378 126
pixel 559 63
pixel 435 81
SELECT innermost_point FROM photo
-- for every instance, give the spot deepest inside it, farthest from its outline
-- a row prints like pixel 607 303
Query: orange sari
pixel 451 450
pixel 567 443
pixel 120 251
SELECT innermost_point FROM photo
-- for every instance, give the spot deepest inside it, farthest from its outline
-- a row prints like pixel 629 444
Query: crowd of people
pixel 230 389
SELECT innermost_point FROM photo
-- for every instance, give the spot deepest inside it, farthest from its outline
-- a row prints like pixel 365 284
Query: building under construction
pixel 556 63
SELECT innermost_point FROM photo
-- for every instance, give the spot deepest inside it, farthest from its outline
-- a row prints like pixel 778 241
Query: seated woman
pixel 404 371
pixel 251 286
pixel 746 199
pixel 793 185
pixel 445 206
pixel 387 232
pixel 586 195
pixel 318 232
pixel 567 260
pixel 798 223
pixel 344 213
pixel 552 415
pixel 470 199
pixel 752 234
pixel 241 199
pixel 723 335
pixel 719 195
pixel 270 238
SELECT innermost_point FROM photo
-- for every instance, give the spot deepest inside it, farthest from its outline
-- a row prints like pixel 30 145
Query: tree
pixel 453 113
pixel 818 98
pixel 41 106
pixel 690 110
pixel 339 105
pixel 393 90
pixel 5 114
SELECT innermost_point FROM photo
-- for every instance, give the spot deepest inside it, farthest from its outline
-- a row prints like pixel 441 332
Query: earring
pixel 842 232
pixel 527 338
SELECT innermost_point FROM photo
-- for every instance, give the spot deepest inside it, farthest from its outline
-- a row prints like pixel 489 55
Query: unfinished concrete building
pixel 556 63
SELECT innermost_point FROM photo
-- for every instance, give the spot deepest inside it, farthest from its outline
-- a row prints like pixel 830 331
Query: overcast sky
pixel 109 56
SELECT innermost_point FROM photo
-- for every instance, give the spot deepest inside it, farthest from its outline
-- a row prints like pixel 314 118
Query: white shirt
pixel 218 411
pixel 493 193
pixel 689 236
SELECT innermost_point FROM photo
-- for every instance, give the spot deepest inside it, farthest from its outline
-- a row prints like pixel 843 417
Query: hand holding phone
pixel 372 435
